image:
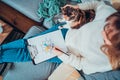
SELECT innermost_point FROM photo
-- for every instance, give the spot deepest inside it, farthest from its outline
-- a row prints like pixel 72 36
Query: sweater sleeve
pixel 72 60
pixel 90 5
pixel 100 7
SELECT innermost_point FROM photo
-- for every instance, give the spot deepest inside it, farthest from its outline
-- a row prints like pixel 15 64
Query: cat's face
pixel 75 17
pixel 69 13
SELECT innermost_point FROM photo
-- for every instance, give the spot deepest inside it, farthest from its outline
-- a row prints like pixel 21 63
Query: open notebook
pixel 41 47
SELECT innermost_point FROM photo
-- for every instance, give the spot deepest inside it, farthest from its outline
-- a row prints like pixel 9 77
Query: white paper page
pixel 44 45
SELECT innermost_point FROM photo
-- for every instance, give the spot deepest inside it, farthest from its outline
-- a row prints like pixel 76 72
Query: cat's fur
pixel 76 17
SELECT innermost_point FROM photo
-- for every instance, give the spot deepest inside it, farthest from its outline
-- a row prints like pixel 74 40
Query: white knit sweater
pixel 87 41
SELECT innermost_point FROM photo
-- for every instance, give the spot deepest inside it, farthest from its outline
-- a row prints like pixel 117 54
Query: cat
pixel 75 18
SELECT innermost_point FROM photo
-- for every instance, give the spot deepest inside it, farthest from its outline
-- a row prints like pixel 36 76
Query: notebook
pixel 40 47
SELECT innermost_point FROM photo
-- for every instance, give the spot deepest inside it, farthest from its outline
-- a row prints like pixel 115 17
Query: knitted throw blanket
pixel 48 8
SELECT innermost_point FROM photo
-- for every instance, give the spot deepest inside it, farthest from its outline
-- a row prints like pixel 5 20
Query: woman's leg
pixel 17 51
pixel 15 55
pixel 21 43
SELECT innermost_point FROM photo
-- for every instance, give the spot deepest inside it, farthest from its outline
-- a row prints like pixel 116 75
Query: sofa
pixel 22 15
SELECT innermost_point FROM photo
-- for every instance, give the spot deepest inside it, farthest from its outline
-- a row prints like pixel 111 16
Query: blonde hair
pixel 113 51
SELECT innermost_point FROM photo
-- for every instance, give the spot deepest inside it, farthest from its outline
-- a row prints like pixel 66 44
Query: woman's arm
pixel 71 59
pixel 86 5
pixel 102 10
pixel 90 5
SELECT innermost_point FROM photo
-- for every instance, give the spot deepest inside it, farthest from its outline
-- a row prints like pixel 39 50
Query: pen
pixel 61 51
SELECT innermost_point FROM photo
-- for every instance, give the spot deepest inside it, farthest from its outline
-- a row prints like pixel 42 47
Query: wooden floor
pixel 1 78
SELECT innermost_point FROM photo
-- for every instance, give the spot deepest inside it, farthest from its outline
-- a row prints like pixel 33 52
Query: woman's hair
pixel 113 51
pixel 77 15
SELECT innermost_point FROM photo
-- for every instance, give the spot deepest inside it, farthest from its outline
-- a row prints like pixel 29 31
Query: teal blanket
pixel 49 8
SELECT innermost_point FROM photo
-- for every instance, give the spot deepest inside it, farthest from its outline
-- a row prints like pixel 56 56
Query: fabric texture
pixel 28 8
pixel 28 71
pixel 15 52
pixel 109 75
pixel 49 8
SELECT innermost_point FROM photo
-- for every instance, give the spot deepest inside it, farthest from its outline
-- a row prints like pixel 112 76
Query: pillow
pixel 116 4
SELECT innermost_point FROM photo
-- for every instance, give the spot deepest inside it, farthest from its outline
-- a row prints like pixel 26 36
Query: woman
pixel 84 47
pixel 111 36
pixel 87 44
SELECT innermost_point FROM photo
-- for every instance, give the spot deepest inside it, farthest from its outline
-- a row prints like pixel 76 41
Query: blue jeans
pixel 17 51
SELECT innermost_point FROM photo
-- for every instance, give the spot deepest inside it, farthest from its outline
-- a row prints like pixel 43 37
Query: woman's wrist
pixel 57 51
pixel 60 54
pixel 74 6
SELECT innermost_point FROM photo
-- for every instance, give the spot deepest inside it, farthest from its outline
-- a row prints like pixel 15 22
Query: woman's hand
pixel 57 51
pixel 74 6
pixel 107 41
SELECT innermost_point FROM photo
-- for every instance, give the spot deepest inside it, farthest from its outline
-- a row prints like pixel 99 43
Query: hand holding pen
pixel 57 51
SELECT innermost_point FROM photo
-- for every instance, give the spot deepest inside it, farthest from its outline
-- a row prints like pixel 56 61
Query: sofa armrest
pixel 33 31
